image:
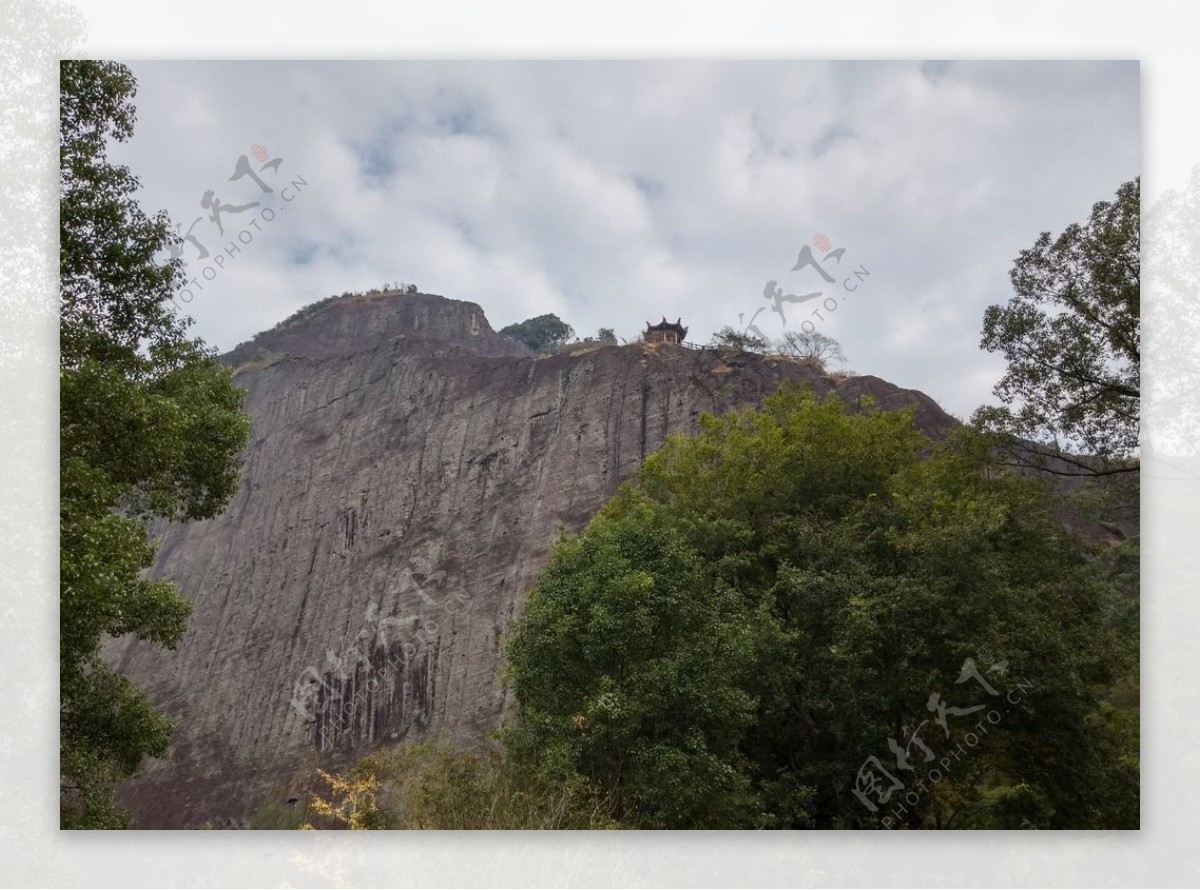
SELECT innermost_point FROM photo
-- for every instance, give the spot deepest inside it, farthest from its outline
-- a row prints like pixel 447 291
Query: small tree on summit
pixel 728 338
pixel 545 332
pixel 812 347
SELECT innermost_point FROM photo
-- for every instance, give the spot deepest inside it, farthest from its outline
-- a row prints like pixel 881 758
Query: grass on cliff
pixel 250 353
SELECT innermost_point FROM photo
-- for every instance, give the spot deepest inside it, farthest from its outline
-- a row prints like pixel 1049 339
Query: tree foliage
pixel 151 426
pixel 351 803
pixel 812 347
pixel 430 785
pixel 1071 335
pixel 638 682
pixel 736 632
pixel 545 332
pixel 728 338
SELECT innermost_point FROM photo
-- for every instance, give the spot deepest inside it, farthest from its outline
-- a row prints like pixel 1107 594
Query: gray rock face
pixel 408 472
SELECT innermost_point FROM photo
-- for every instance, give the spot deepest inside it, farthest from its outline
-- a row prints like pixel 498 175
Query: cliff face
pixel 407 474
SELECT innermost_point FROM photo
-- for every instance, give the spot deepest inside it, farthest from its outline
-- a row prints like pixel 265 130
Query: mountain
pixel 408 472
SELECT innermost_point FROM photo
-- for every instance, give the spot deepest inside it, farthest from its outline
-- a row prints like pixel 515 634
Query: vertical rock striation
pixel 408 472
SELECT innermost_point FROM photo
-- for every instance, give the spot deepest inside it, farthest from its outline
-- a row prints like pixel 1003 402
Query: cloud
pixel 609 193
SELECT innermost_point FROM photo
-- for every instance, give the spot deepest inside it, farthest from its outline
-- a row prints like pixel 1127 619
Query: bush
pixel 431 785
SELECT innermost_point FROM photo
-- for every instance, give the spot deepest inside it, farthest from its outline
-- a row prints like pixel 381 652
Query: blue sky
pixel 612 193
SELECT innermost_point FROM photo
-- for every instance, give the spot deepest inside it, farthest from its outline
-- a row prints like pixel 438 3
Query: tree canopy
pixel 1071 334
pixel 540 333
pixel 728 338
pixel 811 346
pixel 797 590
pixel 151 426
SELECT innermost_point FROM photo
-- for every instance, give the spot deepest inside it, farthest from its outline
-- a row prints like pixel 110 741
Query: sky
pixel 616 193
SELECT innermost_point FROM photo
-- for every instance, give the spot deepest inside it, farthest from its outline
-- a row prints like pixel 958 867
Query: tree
pixel 768 604
pixel 430 785
pixel 351 804
pixel 811 347
pixel 1072 337
pixel 543 333
pixel 607 336
pixel 151 426
pixel 728 338
pixel 631 668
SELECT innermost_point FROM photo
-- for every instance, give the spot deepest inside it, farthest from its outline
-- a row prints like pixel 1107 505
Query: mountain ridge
pixel 407 474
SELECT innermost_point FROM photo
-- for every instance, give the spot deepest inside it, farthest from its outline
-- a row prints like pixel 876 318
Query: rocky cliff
pixel 407 474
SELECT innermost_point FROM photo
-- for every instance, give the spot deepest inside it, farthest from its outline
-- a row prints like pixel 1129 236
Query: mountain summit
pixel 407 474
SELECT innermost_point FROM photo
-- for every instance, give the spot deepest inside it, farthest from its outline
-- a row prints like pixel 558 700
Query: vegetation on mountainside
pixel 250 353
pixel 728 338
pixel 811 348
pixel 805 617
pixel 780 599
pixel 432 785
pixel 543 333
pixel 1071 334
pixel 797 620
pixel 151 426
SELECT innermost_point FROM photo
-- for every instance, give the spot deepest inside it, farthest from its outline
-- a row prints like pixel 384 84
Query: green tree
pixel 631 667
pixel 728 338
pixel 546 332
pixel 607 336
pixel 740 629
pixel 1071 335
pixel 151 426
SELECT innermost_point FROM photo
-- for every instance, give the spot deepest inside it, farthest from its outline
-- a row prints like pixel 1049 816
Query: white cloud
pixel 610 193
